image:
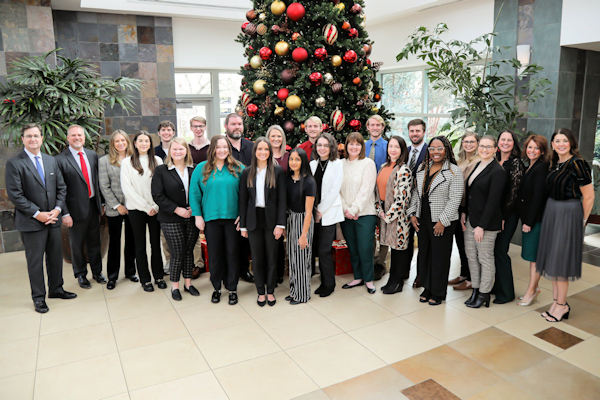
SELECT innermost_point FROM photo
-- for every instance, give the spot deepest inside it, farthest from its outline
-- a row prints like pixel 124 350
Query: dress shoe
pixel 216 296
pixel 111 285
pixel 482 299
pixel 295 302
pixel 99 278
pixel 133 278
pixel 325 292
pixel 473 296
pixel 83 282
pixel 279 280
pixel 233 299
pixel 394 288
pixel 319 290
pixel 289 298
pixel 372 290
pixel 62 294
pixel 248 277
pixel 176 294
pixel 161 283
pixel 272 303
pixel 456 280
pixel 347 286
pixel 41 307
pixel 261 303
pixel 148 287
pixel 464 285
pixel 191 290
pixel 501 301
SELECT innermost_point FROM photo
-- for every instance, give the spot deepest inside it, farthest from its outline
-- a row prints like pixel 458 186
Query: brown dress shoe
pixel 455 281
pixel 464 285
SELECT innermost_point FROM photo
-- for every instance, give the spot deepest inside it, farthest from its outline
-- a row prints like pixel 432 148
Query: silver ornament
pixel 370 94
pixel 362 24
pixel 370 86
pixel 320 102
pixel 328 78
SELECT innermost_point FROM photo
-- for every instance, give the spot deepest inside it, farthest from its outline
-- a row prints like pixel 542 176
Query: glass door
pixel 186 110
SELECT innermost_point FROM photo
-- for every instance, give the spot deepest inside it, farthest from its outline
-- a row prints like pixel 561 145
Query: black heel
pixel 565 315
pixel 471 299
pixel 482 299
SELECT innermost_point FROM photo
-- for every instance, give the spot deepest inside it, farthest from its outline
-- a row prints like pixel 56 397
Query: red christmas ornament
pixel 244 25
pixel 299 54
pixel 282 94
pixel 368 62
pixel 338 120
pixel 296 11
pixel 295 36
pixel 355 125
pixel 321 53
pixel 353 33
pixel 350 56
pixel 252 110
pixel 326 128
pixel 265 53
pixel 377 97
pixel 247 66
pixel 316 78
pixel 356 9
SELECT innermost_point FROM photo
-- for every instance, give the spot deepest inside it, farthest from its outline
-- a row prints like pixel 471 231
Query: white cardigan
pixel 136 187
pixel 331 201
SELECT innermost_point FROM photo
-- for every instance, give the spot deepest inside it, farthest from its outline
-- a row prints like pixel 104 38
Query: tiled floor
pixel 128 344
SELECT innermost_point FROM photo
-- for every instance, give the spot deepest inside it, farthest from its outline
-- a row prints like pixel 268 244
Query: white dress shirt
pixel 185 179
pixel 418 153
pixel 32 158
pixel 87 164
pixel 261 175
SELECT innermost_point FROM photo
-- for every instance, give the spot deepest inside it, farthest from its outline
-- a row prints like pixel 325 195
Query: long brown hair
pixel 270 178
pixel 113 153
pixel 334 153
pixel 516 150
pixel 233 166
pixel 542 144
pixel 403 151
pixel 135 157
pixel 572 141
pixel 462 154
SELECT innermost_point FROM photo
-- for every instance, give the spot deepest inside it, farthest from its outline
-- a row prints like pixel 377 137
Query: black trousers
pixel 411 251
pixel 264 248
pixel 504 287
pixel 459 236
pixel 280 258
pixel 113 261
pixel 222 240
pixel 139 221
pixel 86 232
pixel 433 260
pixel 48 241
pixel 243 252
pixel 323 242
pixel 399 266
pixel 181 238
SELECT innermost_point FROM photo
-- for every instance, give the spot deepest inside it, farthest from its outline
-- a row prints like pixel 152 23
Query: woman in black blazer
pixel 484 220
pixel 170 190
pixel 263 216
pixel 531 201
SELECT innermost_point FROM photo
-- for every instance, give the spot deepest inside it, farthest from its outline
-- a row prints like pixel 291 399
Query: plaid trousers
pixel 181 238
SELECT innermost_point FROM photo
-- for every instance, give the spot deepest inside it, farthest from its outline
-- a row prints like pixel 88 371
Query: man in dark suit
pixel 79 167
pixel 36 187
pixel 416 154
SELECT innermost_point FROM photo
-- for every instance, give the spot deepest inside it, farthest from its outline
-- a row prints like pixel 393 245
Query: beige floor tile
pixel 525 326
pixel 275 376
pixel 499 352
pixel 199 386
pixel 235 344
pixel 590 273
pixel 584 355
pixel 75 345
pixel 19 326
pixel 298 327
pixel 445 322
pixel 207 317
pixel 18 356
pixel 381 384
pixel 11 304
pixel 316 395
pixel 149 329
pixel 454 371
pixel 585 315
pixel 493 315
pixel 574 287
pixel 202 284
pixel 354 313
pixel 338 293
pixel 74 316
pixel 136 305
pixel 74 380
pixel 591 296
pixel 95 293
pixel 122 396
pixel 557 379
pixel 15 284
pixel 124 288
pixel 401 303
pixel 335 359
pixel 394 340
pixel 17 387
pixel 162 362
pixel 247 299
pixel 502 391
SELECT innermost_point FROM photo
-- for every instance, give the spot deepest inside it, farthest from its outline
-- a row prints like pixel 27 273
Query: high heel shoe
pixel 538 290
pixel 565 315
pixel 546 313
pixel 482 299
pixel 471 299
pixel 533 299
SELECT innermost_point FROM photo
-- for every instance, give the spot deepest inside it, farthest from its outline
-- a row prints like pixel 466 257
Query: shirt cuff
pixel 57 208
pixel 67 215
pixel 117 206
pixel 280 226
pixel 243 229
pixel 36 214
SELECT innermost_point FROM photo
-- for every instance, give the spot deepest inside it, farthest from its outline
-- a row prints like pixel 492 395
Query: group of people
pixel 265 200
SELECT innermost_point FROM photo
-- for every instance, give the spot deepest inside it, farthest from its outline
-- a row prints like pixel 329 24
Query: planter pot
pixel 66 246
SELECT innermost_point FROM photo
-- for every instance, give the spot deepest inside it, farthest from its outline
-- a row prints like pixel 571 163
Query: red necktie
pixel 85 173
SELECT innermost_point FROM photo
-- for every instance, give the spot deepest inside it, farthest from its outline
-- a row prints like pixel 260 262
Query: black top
pixel 275 201
pixel 244 155
pixel 425 206
pixel 484 195
pixel 532 195
pixel 169 193
pixel 298 191
pixel 199 155
pixel 564 179
pixel 319 172
pixel 514 169
pixel 158 150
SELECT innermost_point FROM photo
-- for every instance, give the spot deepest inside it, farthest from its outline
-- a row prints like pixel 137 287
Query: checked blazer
pixel 445 194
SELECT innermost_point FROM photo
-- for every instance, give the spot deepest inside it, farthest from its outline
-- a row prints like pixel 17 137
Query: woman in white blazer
pixel 328 172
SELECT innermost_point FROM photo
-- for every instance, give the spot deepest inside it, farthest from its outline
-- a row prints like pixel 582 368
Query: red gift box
pixel 341 258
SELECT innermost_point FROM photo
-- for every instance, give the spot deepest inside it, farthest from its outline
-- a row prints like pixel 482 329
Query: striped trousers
pixel 299 259
pixel 481 259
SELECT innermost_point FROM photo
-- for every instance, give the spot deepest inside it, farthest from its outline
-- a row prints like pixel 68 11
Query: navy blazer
pixel 275 201
pixel 419 160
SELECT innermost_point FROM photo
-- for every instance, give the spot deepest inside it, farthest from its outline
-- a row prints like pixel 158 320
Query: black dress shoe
pixel 371 290
pixel 111 285
pixel 295 302
pixel 148 287
pixel 216 297
pixel 279 280
pixel 41 307
pixel 272 303
pixel 391 289
pixel 261 303
pixel 62 294
pixel 176 294
pixel 191 290
pixel 83 282
pixel 319 290
pixel 289 298
pixel 133 278
pixel 248 277
pixel 233 299
pixel 347 286
pixel 325 293
pixel 161 283
pixel 99 278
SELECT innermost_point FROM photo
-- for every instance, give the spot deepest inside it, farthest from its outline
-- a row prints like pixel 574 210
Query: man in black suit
pixel 36 187
pixel 79 167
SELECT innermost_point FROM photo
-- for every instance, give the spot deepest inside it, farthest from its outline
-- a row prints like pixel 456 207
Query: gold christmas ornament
pixel 282 48
pixel 261 29
pixel 255 62
pixel 336 61
pixel 293 102
pixel 340 7
pixel 259 86
pixel 278 7
pixel 375 110
pixel 279 111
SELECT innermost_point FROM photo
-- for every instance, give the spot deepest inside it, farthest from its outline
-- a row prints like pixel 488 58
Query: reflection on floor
pixel 128 344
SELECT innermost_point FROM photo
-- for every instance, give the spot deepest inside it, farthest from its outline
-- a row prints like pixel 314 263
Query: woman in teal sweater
pixel 214 198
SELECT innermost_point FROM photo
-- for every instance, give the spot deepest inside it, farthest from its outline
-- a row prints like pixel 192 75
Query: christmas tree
pixel 308 58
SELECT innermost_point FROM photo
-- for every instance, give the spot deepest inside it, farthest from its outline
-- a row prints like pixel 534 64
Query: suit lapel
pixel 71 159
pixel 485 171
pixel 438 179
pixel 33 169
pixel 175 175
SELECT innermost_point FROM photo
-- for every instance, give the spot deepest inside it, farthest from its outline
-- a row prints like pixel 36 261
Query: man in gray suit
pixel 36 187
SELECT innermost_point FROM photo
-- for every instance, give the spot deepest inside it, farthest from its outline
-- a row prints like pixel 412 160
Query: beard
pixel 236 134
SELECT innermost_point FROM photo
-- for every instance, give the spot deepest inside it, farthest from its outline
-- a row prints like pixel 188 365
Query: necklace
pixel 323 165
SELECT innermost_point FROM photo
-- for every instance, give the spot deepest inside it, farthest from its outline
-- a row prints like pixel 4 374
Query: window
pixel 193 83
pixel 229 92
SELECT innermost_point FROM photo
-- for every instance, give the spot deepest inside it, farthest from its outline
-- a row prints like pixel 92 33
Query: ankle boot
pixel 482 299
pixel 473 297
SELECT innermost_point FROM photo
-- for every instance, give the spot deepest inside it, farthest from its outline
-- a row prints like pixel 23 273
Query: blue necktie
pixel 39 169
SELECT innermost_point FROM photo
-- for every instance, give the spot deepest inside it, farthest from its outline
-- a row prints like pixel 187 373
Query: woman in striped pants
pixel 301 190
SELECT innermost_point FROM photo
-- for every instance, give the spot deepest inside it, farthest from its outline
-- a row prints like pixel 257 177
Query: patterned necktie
pixel 372 152
pixel 85 173
pixel 413 159
pixel 40 170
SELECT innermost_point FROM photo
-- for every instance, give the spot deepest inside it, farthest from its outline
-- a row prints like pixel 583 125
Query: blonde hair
pixel 199 119
pixel 462 154
pixel 283 140
pixel 188 156
pixel 314 119
pixel 113 153
pixel 377 118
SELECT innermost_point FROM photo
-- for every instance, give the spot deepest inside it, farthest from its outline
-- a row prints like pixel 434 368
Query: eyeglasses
pixel 487 147
pixel 469 142
pixel 198 126
pixel 438 149
pixel 32 137
pixel 323 146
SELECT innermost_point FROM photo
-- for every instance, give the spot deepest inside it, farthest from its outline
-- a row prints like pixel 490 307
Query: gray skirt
pixel 561 240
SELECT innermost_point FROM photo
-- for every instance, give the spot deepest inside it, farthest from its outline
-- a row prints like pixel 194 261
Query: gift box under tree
pixel 341 257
